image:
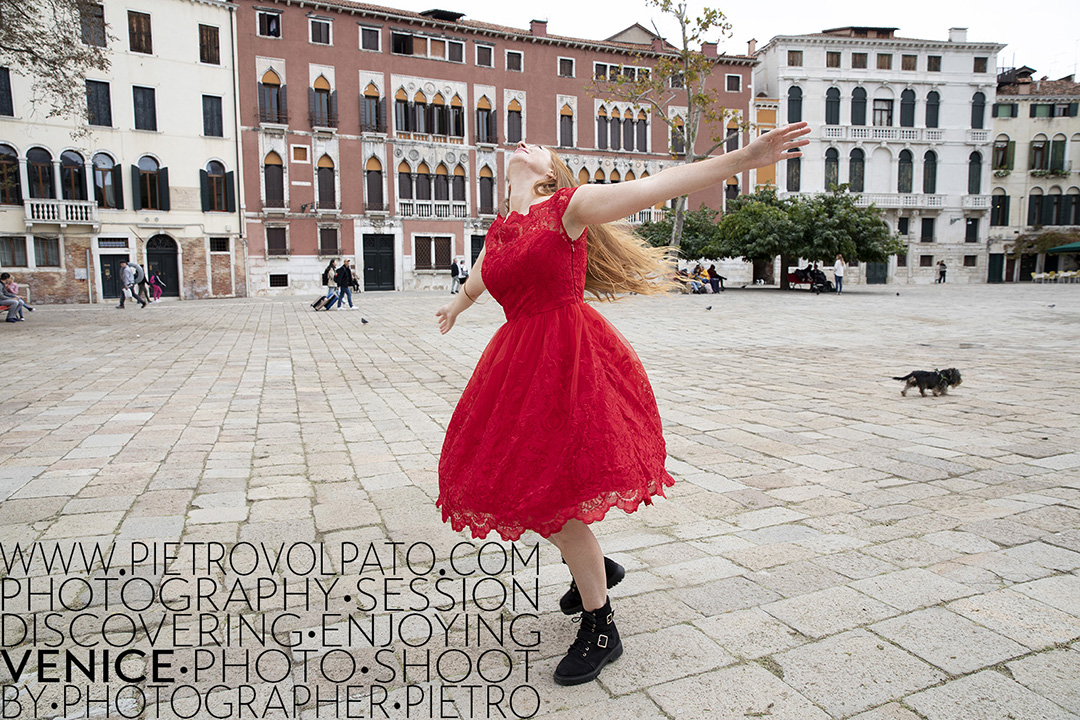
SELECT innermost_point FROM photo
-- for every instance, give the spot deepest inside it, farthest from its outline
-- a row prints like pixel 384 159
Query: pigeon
pixel 363 320
pixel 709 307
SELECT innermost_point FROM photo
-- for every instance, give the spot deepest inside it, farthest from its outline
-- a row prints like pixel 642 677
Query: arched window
pixel 974 173
pixel 215 185
pixel 832 168
pixel 372 110
pixel 907 108
pixel 731 189
pixel 929 175
pixel 420 112
pixel 457 185
pixel 978 110
pixel 405 184
pixel 72 175
pixel 905 176
pixel 442 184
pixel 10 184
pixel 272 107
pixel 457 117
pixel 486 128
pixel 856 170
pixel 1040 157
pixel 794 172
pixel 373 184
pixel 325 176
pixel 628 134
pixel 1035 207
pixel 629 176
pixel 999 208
pixel 1052 206
pixel 832 106
pixel 1057 153
pixel 566 127
pixel 794 104
pixel 583 177
pixel 440 115
pixel 487 191
pixel 322 104
pixel 732 143
pixel 39 171
pixel 274 180
pixel 108 182
pixel 602 128
pixel 642 126
pixel 933 102
pixel 514 132
pixel 598 177
pixel 1004 152
pixel 422 183
pixel 404 118
pixel 1070 208
pixel 858 106
pixel 614 177
pixel 150 184
pixel 616 129
pixel 678 137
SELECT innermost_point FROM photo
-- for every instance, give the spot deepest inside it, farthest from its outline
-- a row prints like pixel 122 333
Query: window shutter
pixel 264 101
pixel 118 185
pixel 1010 155
pixel 365 122
pixel 1034 208
pixel 1005 210
pixel 136 189
pixel 493 126
pixel 311 103
pixel 204 190
pixel 1015 109
pixel 1057 155
pixel 283 105
pixel 1073 109
pixel 1031 109
pixel 333 108
pixel 163 188
pixel 230 192
pixel 1047 210
pixel 382 115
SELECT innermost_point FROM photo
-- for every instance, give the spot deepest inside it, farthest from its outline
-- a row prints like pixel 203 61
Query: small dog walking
pixel 937 381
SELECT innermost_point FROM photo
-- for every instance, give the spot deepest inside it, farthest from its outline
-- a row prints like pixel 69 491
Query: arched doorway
pixel 161 257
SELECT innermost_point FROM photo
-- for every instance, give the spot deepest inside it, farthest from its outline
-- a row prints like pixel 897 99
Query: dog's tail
pixel 906 377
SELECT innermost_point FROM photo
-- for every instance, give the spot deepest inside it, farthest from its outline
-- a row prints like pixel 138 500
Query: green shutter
pixel 204 190
pixel 1015 109
pixel 1057 155
pixel 136 189
pixel 230 192
pixel 1073 109
pixel 1010 155
pixel 163 188
pixel 1031 109
pixel 118 185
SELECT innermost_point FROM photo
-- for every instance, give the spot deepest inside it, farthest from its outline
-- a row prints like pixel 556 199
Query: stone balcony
pixel 900 200
pixel 61 212
pixel 882 134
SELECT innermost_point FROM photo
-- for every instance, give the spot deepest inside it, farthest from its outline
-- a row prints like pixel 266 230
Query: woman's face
pixel 536 158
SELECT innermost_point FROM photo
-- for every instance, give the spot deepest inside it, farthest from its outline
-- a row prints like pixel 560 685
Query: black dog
pixel 938 381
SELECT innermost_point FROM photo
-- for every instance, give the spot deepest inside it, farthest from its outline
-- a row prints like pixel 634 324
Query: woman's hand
pixel 446 316
pixel 778 144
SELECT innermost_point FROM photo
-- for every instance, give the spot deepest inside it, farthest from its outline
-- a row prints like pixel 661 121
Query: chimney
pixel 658 44
pixel 538 28
pixel 958 35
pixel 751 47
pixel 708 49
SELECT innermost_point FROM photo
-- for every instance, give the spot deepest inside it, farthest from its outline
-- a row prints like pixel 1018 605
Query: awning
pixel 1070 248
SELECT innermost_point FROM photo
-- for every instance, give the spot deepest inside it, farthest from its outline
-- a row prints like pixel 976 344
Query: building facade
pixel 155 179
pixel 381 135
pixel 905 123
pixel 1036 170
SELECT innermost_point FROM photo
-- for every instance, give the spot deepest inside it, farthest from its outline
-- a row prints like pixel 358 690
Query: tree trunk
pixel 677 226
pixel 783 272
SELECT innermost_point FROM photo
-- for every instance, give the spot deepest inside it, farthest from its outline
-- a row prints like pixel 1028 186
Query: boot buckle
pixel 601 641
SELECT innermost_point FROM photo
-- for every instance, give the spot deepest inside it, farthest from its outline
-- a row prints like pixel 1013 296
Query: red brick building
pixel 380 134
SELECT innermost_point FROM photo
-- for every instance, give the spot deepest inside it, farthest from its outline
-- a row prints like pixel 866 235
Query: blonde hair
pixel 619 260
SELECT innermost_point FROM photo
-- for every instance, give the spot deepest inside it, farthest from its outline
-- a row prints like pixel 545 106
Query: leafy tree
pixel 699 237
pixel 680 77
pixel 56 43
pixel 1035 243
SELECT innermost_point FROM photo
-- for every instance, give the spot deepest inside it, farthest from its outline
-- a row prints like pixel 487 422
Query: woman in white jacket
pixel 838 273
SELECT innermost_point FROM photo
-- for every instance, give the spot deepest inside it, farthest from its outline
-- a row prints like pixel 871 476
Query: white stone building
pixel 906 123
pixel 155 180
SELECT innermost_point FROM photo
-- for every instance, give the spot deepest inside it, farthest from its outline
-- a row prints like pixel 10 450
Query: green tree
pixel 679 76
pixel 55 42
pixel 1034 243
pixel 699 237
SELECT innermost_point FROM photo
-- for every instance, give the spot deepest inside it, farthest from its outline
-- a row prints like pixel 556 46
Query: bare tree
pixel 55 42
pixel 680 74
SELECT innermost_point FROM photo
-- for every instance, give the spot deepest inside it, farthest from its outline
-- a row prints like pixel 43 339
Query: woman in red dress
pixel 558 423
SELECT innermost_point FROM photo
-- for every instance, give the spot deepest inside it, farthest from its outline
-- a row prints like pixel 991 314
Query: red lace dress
pixel 558 420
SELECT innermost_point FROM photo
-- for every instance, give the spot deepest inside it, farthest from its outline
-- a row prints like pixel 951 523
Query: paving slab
pixel 987 695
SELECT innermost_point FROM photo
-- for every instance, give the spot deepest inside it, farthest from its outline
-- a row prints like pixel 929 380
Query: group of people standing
pixel 137 285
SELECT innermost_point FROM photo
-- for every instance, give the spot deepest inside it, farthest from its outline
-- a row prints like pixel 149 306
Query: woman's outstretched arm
pixel 597 204
pixel 468 294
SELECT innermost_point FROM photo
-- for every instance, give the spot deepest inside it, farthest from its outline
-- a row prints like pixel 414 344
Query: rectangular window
pixel 933 63
pixel 209 47
pixel 328 241
pixel 927 230
pixel 514 61
pixel 276 243
pixel 1040 110
pixel 279 280
pixel 926 261
pixel 1061 110
pixel 92 19
pixel 901 259
pixel 145 108
pixel 456 51
pixel 1004 110
pixel 971 230
pixel 980 65
pixel 485 56
pixel 219 244
pixel 599 71
pixel 13 252
pixel 970 260
pixel 883 113
pixel 566 67
pixel 47 252
pixel 999 210
pixel 401 44
pixel 211 111
pixel 269 24
pixel 858 61
pixel 909 62
pixel 884 61
pixel 902 225
pixel 139 39
pixel 7 106
pixel 733 83
pixel 98 103
pixel 794 58
pixel 369 39
pixel 437 49
pixel 320 31
pixel 832 59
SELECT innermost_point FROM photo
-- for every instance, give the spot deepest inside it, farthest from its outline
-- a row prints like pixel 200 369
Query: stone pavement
pixel 830 549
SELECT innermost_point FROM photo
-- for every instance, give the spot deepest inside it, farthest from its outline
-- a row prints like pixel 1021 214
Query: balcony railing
pixel 373 127
pixel 647 215
pixel 278 251
pixel 277 118
pixel 976 202
pixel 375 207
pixel 323 120
pixel 484 210
pixel 900 200
pixel 978 137
pixel 62 212
pixel 870 132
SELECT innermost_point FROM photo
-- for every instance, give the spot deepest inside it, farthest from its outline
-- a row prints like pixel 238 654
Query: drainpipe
pixel 89 284
pixel 241 234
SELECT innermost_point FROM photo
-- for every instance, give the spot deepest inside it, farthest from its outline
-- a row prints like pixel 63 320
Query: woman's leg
pixel 583 556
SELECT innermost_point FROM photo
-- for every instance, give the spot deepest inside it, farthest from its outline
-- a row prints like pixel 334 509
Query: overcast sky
pixel 1045 36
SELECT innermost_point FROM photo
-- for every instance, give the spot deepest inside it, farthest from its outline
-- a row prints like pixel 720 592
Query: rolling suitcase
pixel 321 303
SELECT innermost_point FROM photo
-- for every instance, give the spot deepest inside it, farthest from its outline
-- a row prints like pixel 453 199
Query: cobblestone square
pixel 830 549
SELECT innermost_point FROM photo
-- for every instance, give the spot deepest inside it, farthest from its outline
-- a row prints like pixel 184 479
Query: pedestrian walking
pixel 838 273
pixel 127 281
pixel 156 285
pixel 139 290
pixel 941 271
pixel 329 279
pixel 344 279
pixel 558 423
pixel 455 277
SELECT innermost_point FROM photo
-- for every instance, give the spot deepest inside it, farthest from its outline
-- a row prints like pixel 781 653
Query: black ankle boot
pixel 571 601
pixel 596 645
